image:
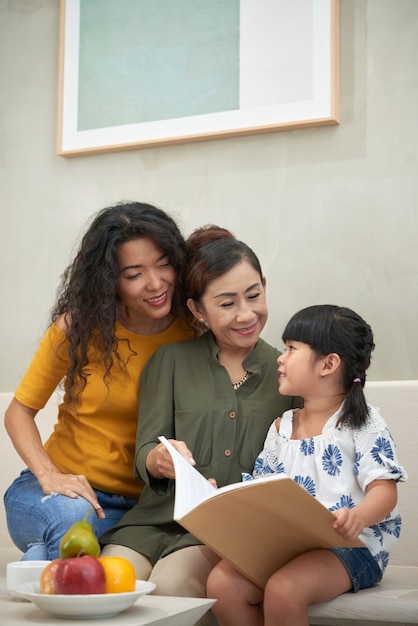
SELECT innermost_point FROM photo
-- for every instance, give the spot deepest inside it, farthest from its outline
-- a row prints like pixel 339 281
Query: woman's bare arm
pixel 19 421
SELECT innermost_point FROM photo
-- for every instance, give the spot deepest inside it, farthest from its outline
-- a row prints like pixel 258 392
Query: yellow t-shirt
pixel 97 437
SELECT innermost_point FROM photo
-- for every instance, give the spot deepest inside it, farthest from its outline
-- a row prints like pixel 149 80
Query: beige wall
pixel 332 211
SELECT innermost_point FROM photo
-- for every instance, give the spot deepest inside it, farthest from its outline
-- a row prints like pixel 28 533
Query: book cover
pixel 258 525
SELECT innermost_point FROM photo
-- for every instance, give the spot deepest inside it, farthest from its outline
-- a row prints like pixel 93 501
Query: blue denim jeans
pixel 362 567
pixel 37 522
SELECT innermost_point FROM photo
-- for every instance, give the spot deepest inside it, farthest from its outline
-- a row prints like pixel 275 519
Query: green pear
pixel 79 540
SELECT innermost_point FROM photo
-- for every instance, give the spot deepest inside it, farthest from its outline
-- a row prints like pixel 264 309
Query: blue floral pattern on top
pixel 331 460
pixel 346 502
pixel 357 463
pixel 336 467
pixel 307 446
pixel 307 483
pixel 382 449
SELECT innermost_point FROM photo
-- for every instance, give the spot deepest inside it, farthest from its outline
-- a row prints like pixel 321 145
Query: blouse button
pixel 232 415
pixel 227 452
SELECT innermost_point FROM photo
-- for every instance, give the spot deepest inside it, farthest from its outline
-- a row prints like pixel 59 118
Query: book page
pixel 191 486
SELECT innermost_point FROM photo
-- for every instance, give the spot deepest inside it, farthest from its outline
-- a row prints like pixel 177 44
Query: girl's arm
pixel 380 499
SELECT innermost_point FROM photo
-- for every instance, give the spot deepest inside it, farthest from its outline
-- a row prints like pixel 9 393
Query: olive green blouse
pixel 186 394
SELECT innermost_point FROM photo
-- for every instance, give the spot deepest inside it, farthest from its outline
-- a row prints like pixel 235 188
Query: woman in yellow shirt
pixel 119 300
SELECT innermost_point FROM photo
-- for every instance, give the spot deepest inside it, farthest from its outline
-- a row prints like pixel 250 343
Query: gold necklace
pixel 239 382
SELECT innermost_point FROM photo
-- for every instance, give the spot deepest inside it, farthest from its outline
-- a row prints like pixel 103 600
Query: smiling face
pixel 299 369
pixel 146 286
pixel 234 307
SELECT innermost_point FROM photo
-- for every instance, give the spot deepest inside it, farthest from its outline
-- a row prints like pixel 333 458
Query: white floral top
pixel 336 467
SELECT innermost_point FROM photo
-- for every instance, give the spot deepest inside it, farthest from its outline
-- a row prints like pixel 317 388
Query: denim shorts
pixel 361 566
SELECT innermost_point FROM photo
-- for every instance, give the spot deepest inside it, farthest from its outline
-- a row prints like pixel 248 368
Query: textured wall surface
pixel 331 211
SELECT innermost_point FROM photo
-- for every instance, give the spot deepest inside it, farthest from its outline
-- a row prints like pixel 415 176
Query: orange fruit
pixel 120 574
pixel 47 577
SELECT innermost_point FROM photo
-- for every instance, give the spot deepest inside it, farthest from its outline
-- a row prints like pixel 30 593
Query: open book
pixel 257 525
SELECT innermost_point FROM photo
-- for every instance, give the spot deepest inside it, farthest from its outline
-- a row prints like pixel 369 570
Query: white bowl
pixel 86 606
pixel 21 572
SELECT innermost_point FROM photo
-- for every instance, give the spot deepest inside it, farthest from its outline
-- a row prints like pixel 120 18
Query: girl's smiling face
pixel 299 369
pixel 234 307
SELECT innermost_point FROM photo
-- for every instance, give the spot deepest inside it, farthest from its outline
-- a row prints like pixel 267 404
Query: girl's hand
pixel 380 499
pixel 72 486
pixel 348 523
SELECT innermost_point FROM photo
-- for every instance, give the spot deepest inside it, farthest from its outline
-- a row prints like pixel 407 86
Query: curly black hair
pixel 87 295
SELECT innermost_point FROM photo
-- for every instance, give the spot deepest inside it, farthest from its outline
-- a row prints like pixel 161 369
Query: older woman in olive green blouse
pixel 214 397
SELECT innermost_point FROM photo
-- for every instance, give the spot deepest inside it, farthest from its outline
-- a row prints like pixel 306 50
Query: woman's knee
pixel 141 563
pixel 184 572
pixel 37 551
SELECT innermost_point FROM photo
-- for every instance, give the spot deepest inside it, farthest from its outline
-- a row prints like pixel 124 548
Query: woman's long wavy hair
pixel 328 329
pixel 87 295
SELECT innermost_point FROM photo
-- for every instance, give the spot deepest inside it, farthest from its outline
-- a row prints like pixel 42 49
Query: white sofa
pixel 11 465
pixel 395 599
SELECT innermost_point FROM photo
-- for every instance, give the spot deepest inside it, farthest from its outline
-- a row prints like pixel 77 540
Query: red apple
pixel 47 578
pixel 84 574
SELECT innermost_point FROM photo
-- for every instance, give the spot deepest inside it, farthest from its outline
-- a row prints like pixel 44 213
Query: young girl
pixel 341 451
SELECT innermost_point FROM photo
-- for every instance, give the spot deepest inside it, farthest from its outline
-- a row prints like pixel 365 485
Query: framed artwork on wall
pixel 138 73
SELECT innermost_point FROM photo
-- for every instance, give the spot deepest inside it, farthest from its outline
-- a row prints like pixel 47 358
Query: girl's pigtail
pixel 355 409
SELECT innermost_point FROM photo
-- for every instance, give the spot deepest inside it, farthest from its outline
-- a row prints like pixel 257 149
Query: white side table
pixel 155 610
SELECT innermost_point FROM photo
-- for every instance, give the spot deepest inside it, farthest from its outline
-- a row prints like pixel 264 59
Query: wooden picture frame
pixel 275 69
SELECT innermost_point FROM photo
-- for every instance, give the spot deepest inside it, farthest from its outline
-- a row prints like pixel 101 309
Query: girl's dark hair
pixel 213 251
pixel 331 329
pixel 87 294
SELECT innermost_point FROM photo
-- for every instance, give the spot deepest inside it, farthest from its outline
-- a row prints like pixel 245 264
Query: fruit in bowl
pixel 120 574
pixel 80 575
pixel 81 570
pixel 47 577
pixel 75 575
pixel 79 540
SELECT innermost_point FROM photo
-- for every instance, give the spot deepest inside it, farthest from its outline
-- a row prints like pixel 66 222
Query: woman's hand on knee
pixel 72 486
